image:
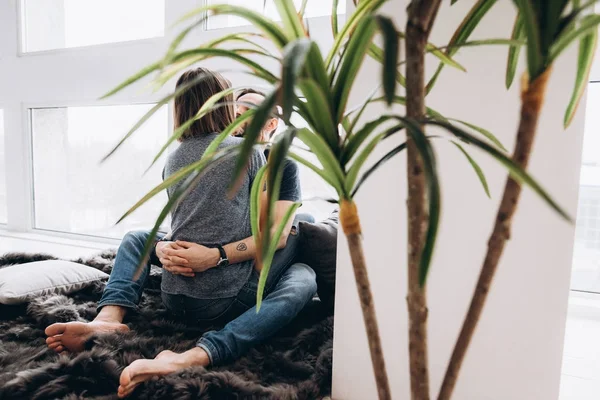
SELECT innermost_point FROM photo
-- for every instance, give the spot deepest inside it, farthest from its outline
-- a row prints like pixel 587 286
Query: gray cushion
pixel 318 249
pixel 23 282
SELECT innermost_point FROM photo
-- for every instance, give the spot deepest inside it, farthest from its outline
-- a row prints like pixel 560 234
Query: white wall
pixel 516 353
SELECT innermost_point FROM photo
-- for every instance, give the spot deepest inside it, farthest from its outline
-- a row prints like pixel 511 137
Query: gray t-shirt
pixel 208 217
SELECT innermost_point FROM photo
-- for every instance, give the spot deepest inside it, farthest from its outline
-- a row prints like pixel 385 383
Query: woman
pixel 217 291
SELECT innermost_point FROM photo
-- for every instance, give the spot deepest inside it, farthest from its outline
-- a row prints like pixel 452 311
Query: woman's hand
pixel 175 265
pixel 189 256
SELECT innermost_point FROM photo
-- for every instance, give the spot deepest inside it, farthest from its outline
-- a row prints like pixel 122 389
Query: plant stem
pixel 532 96
pixel 351 225
pixel 421 15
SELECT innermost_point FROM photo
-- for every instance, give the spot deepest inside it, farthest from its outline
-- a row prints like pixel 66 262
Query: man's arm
pixel 200 258
pixel 245 250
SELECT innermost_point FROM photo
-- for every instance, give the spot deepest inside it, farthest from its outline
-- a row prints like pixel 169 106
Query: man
pixel 214 289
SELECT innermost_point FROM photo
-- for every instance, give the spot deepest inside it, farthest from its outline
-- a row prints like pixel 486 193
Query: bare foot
pixel 71 336
pixel 165 363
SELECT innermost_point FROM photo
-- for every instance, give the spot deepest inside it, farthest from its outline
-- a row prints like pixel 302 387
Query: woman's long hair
pixel 203 83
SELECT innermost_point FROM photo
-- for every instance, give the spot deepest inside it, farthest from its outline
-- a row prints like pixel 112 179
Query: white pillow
pixel 23 282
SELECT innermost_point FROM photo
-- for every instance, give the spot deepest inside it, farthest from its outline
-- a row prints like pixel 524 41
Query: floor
pixel 581 361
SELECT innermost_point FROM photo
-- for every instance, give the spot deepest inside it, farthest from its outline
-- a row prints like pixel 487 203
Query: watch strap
pixel 222 252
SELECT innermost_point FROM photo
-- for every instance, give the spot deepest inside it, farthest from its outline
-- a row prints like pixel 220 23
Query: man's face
pixel 256 99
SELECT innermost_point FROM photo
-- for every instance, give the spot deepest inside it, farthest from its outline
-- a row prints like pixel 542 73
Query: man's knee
pixel 135 238
pixel 303 280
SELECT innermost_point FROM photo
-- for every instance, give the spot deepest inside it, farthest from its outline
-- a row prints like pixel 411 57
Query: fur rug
pixel 295 364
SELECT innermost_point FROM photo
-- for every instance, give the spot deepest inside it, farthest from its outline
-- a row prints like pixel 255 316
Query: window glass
pixel 314 8
pixel 58 24
pixel 586 259
pixel 73 191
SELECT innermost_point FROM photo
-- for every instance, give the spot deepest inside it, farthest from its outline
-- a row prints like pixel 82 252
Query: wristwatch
pixel 223 261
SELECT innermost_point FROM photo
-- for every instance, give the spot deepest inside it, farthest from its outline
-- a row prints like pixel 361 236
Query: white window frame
pixel 61 78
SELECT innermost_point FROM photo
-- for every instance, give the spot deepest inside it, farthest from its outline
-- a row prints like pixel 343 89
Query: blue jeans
pixel 288 289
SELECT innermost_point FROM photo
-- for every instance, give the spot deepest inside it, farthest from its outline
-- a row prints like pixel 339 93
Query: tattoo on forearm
pixel 242 247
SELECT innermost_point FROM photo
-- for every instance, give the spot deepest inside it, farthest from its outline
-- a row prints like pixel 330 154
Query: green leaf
pixel 178 91
pixel 275 165
pixel 262 114
pixel 326 175
pixel 535 59
pixel 302 9
pixel 255 67
pixel 388 156
pixel 361 109
pixel 210 105
pixel 364 8
pixel 434 196
pixel 494 42
pixel 402 101
pixel 434 78
pixel 484 132
pixel 452 2
pixel 320 111
pixel 180 193
pixel 356 50
pixel 570 21
pixel 334 18
pixel 513 51
pixel 214 145
pixel 356 140
pixel 133 78
pixel 292 23
pixel 587 47
pixel 469 23
pixel 377 53
pixel 264 24
pixel 515 170
pixel 264 273
pixel 391 47
pixel 476 168
pixel 588 25
pixel 360 160
pixel 462 34
pixel 317 71
pixel 255 203
pixel 549 16
pixel 324 154
pixel 442 56
pixel 294 58
pixel 198 166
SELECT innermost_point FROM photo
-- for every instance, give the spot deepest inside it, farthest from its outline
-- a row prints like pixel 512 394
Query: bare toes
pixel 53 339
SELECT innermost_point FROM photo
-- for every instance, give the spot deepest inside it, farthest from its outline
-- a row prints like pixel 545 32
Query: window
pixel 314 8
pixel 586 259
pixel 73 192
pixel 58 24
pixel 3 171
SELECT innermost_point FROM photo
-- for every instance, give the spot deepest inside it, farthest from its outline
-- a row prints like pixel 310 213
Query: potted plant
pixel 315 86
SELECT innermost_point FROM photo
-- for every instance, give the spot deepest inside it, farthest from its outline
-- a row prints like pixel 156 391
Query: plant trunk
pixel 351 225
pixel 417 227
pixel 532 96
pixel 421 15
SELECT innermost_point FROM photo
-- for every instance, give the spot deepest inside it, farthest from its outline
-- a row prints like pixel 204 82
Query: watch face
pixel 223 262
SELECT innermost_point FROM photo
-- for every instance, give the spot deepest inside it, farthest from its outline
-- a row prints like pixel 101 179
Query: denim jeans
pixel 288 289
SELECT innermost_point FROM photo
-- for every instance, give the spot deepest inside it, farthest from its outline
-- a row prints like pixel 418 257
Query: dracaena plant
pixel 315 86
pixel 548 27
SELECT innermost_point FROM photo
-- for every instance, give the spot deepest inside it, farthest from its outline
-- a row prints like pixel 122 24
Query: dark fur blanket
pixel 296 364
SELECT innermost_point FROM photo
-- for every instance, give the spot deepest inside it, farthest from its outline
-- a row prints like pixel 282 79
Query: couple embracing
pixel 209 277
